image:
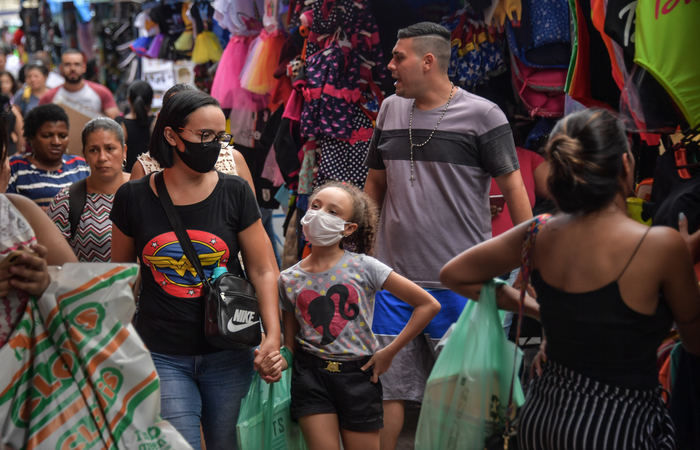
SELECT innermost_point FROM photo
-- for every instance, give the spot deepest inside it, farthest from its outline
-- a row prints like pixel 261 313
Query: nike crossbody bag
pixel 232 316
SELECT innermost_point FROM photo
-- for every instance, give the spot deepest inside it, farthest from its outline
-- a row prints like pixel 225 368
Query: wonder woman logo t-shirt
pixel 171 308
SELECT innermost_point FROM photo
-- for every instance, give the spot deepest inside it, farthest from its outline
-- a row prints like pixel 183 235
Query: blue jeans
pixel 206 389
pixel 270 229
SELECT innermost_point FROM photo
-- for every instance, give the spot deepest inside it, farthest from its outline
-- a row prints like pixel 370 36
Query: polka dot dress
pixel 343 160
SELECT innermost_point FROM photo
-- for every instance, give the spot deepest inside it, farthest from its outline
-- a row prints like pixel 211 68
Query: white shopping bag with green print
pixel 75 375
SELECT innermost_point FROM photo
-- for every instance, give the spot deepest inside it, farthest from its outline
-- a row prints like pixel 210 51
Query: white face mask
pixel 322 228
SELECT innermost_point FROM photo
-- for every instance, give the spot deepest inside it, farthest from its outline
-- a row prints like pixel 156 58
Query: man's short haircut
pixel 430 38
pixel 71 51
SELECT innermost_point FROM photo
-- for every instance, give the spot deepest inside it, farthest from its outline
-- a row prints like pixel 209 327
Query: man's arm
pixel 112 113
pixel 109 106
pixel 513 189
pixel 375 186
pixel 47 98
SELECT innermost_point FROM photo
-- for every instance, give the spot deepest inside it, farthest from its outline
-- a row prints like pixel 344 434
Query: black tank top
pixel 597 335
pixel 138 136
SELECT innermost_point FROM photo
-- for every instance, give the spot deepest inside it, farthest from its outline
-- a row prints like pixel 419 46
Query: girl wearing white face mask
pixel 328 304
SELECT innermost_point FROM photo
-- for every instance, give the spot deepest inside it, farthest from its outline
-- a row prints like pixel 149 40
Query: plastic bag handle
pixel 269 415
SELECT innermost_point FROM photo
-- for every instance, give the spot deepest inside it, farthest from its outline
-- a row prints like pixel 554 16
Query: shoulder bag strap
pixel 179 228
pixel 525 270
pixel 77 197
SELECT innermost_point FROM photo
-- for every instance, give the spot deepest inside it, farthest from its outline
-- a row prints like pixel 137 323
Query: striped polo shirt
pixel 446 210
pixel 42 185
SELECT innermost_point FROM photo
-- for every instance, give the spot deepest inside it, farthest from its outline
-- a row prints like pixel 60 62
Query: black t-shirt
pixel 171 309
pixel 672 195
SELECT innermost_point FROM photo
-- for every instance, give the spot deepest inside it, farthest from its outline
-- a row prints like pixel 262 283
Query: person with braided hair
pixel 608 290
pixel 327 303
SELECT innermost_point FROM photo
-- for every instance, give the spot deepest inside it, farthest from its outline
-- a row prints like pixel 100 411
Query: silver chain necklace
pixel 410 126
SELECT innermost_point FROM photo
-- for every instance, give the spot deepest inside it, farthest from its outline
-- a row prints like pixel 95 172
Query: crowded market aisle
pixel 375 171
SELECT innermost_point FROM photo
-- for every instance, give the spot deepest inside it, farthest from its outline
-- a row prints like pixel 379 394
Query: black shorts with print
pixel 321 386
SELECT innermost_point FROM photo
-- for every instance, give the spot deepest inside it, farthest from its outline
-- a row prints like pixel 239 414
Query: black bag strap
pixel 77 197
pixel 179 228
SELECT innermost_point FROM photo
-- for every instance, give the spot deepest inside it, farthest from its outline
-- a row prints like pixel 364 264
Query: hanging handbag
pixel 508 441
pixel 232 317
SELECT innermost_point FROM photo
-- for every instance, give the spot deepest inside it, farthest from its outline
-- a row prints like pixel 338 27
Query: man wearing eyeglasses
pixel 77 90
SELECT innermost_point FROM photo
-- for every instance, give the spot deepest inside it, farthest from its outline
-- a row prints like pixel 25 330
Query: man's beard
pixel 76 80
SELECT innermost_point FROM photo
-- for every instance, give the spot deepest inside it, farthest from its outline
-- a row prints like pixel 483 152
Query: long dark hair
pixel 4 100
pixel 175 114
pixel 15 85
pixel 140 95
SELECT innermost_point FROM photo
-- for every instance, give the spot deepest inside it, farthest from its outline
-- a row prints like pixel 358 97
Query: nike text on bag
pixel 232 317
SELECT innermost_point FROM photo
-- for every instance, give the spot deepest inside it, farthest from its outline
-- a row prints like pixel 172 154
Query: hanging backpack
pixel 541 90
pixel 543 38
pixel 77 196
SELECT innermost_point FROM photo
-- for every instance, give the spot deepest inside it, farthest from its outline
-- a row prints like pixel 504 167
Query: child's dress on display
pixel 206 46
pixel 169 20
pixel 186 40
pixel 239 17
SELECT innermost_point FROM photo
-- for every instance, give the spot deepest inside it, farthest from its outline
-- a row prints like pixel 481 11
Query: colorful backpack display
pixel 543 38
pixel 476 53
pixel 541 90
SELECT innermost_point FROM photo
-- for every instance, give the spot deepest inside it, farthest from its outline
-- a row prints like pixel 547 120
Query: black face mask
pixel 199 157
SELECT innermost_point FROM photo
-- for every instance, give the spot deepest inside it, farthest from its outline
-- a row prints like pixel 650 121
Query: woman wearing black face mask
pixel 220 213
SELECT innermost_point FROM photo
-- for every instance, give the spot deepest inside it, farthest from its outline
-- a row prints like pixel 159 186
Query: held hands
pixel 380 363
pixel 30 274
pixel 269 362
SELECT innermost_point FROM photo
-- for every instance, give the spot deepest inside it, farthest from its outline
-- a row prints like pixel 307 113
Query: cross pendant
pixel 412 179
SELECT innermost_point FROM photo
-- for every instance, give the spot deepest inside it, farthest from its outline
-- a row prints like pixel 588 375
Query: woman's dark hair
pixel 15 85
pixel 364 213
pixel 140 95
pixel 175 114
pixel 585 157
pixel 3 139
pixel 38 65
pixel 42 114
pixel 102 123
pixel 180 87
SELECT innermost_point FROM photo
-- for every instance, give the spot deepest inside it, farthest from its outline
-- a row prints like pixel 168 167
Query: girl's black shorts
pixel 321 386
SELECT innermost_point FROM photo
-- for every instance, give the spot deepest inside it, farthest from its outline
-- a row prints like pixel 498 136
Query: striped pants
pixel 568 411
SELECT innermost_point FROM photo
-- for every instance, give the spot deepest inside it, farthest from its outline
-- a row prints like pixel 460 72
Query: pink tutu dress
pixel 237 16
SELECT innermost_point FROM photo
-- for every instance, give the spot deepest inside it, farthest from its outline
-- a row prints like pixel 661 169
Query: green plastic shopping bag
pixel 264 422
pixel 467 393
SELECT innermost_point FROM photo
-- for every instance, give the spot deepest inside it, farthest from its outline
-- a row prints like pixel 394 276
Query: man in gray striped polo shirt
pixel 434 151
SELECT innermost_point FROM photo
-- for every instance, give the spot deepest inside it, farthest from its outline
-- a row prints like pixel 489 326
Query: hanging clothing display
pixel 590 74
pixel 171 25
pixel 542 39
pixel 343 159
pixel 206 45
pixel 476 53
pixel 667 45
